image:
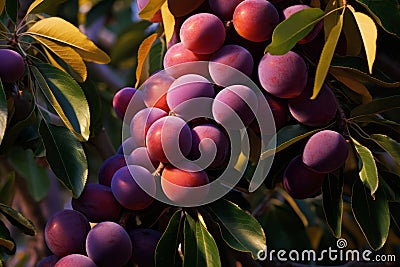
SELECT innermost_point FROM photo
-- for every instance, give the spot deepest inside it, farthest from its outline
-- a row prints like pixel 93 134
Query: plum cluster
pixel 74 242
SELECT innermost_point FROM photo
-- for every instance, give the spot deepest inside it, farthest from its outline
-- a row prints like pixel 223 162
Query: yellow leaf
pixel 151 8
pixel 67 54
pixel 369 34
pixel 2 5
pixel 168 21
pixel 332 19
pixel 352 84
pixel 353 37
pixel 143 53
pixel 62 31
pixel 326 56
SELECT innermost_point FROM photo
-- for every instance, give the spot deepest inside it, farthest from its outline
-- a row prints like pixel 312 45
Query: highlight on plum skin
pixel 178 183
pixel 127 184
pixel 255 20
pixel 141 157
pixel 235 106
pixel 167 137
pixel 203 33
pixel 325 151
pixel 75 260
pixel 155 90
pixel 300 181
pixel 122 99
pixel 97 203
pixel 141 123
pixel 284 76
pixel 206 137
pixel 234 56
pixel 108 244
pixel 65 233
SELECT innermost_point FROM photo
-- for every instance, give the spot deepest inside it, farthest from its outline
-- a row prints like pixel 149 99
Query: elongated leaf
pixel 43 6
pixel 376 119
pixel 377 106
pixel 240 230
pixel 333 18
pixel 190 243
pixel 351 32
pixel 3 112
pixel 395 214
pixel 385 12
pixel 166 253
pixel 18 219
pixel 66 97
pixel 369 172
pixel 369 34
pixel 5 239
pixel 332 191
pixel 207 250
pixel 7 189
pixel 372 215
pixel 12 7
pixel 143 53
pixel 326 56
pixel 65 156
pixel 36 177
pixel 392 147
pixel 353 84
pixel 168 21
pixel 59 30
pixel 2 6
pixel 291 30
pixel 358 67
pixel 66 53
pixel 289 135
pixel 151 8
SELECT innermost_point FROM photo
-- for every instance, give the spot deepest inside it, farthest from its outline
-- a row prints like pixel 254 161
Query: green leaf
pixel 377 106
pixel 372 215
pixel 385 12
pixel 18 219
pixel 65 156
pixel 66 97
pixel 240 230
pixel 151 8
pixel 5 239
pixel 36 177
pixel 287 136
pixel 326 56
pixel 59 30
pixel 166 253
pixel 358 67
pixel 332 191
pixel 369 35
pixel 369 171
pixel 394 208
pixel 189 242
pixel 377 119
pixel 207 250
pixel 392 147
pixel 12 7
pixel 65 53
pixel 7 189
pixel 291 30
pixel 44 6
pixel 3 112
pixel 95 107
pixel 351 32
